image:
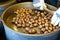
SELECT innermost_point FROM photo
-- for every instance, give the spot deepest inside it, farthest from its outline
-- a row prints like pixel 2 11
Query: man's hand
pixel 39 4
pixel 56 18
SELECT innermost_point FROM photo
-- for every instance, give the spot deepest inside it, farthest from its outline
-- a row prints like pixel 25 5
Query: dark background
pixel 2 33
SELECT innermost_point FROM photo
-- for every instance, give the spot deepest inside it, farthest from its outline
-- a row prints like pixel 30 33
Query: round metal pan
pixel 13 33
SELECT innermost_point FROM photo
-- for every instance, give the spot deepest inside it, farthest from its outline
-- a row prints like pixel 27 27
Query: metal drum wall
pixel 3 6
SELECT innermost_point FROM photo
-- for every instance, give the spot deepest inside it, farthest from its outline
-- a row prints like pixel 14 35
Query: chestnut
pixel 40 26
pixel 51 28
pixel 46 32
pixel 31 26
pixel 43 29
pixel 32 31
pixel 49 31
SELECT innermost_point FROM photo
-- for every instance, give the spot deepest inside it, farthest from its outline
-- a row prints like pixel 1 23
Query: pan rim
pixel 12 1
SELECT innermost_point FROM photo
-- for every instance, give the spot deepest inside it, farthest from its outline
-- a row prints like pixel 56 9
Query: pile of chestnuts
pixel 34 21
